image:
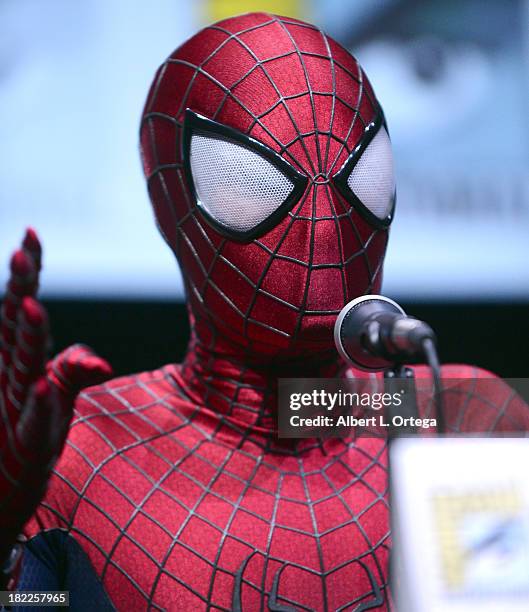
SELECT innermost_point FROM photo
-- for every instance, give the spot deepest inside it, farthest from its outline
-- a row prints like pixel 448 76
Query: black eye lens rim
pixel 340 178
pixel 198 124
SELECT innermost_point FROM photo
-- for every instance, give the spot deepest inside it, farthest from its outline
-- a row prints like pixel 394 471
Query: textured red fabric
pixel 182 507
pixel 288 85
pixel 174 481
pixel 35 408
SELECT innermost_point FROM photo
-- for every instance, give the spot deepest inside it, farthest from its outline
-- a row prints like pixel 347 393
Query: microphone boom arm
pixel 373 333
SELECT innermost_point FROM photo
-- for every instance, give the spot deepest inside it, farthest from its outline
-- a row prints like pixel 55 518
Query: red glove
pixel 36 401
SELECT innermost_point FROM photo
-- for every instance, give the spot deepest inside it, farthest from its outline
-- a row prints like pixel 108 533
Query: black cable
pixel 430 352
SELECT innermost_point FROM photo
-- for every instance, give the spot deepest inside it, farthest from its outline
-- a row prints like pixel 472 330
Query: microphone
pixel 374 333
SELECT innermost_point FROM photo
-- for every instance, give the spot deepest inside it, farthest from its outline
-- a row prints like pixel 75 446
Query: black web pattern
pixel 166 474
pixel 248 448
pixel 169 476
pixel 341 213
pixel 193 442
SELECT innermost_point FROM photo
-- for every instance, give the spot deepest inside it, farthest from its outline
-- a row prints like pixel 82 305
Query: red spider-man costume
pixel 269 170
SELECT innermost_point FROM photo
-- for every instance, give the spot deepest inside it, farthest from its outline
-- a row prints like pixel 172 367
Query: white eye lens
pixel 236 186
pixel 372 179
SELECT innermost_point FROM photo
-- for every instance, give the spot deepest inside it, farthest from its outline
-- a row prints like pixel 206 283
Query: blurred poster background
pixel 453 78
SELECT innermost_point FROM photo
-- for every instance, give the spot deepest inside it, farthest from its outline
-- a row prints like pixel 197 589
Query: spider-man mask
pixel 270 172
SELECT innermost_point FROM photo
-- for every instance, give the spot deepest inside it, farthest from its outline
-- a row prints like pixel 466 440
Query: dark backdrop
pixel 137 335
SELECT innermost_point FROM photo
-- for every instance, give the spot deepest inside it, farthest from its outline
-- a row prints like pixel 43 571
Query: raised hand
pixel 36 400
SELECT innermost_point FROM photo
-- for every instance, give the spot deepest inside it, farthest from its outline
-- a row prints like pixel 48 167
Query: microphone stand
pixel 406 383
pixel 396 380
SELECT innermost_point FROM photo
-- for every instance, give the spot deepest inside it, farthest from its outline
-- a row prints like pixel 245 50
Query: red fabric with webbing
pixel 174 481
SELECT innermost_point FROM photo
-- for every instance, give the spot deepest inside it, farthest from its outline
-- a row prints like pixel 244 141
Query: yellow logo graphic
pixel 483 540
pixel 214 10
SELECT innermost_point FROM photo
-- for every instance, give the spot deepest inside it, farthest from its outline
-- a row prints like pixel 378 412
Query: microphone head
pixel 350 326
